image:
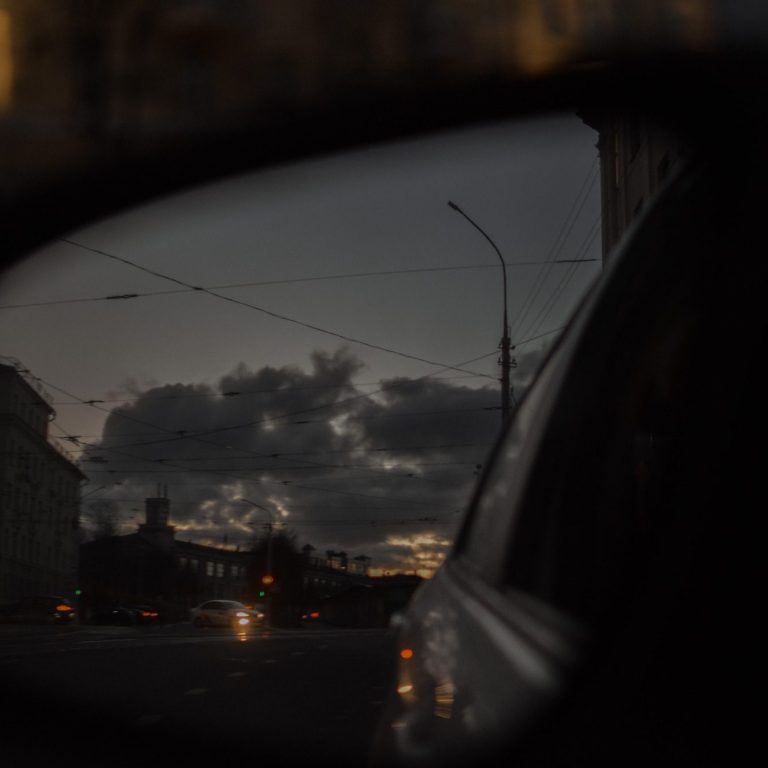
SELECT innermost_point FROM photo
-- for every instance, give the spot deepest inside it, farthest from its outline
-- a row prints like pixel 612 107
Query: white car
pixel 224 613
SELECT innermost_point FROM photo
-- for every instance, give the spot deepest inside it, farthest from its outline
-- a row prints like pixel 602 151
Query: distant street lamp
pixel 268 578
pixel 506 361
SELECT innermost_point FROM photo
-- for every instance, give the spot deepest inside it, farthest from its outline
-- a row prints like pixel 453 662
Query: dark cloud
pixel 381 473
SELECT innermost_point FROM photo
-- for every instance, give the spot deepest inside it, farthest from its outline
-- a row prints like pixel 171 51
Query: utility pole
pixel 268 579
pixel 506 362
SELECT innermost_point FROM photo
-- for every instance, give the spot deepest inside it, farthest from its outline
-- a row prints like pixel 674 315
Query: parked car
pixel 118 615
pixel 145 614
pixel 224 613
pixel 39 609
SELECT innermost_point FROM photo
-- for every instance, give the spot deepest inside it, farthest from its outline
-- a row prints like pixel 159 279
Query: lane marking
pixel 195 691
pixel 237 674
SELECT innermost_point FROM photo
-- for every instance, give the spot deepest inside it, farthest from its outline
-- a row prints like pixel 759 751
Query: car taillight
pixel 63 608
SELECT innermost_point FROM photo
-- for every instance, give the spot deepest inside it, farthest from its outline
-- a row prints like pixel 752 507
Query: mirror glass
pixel 302 362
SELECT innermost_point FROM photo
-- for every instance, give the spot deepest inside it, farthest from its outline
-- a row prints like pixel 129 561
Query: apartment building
pixel 39 494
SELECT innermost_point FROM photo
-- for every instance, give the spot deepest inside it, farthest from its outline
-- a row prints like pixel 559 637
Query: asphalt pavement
pixel 148 696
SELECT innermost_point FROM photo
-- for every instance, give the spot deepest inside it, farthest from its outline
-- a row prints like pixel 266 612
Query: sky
pixel 340 371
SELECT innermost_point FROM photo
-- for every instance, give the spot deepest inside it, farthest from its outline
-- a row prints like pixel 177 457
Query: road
pixel 117 696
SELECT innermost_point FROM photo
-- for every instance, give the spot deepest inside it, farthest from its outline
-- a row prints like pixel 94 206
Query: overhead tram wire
pixel 381 273
pixel 233 503
pixel 393 471
pixel 456 484
pixel 270 313
pixel 283 483
pixel 565 229
pixel 94 403
pixel 239 473
pixel 303 422
pixel 557 246
pixel 78 439
pixel 283 456
pixel 197 437
pixel 565 280
pixel 230 394
pixel 257 422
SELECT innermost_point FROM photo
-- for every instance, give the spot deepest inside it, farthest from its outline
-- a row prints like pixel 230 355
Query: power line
pixel 270 313
pixel 236 393
pixel 197 436
pixel 565 279
pixel 386 388
pixel 261 283
pixel 227 503
pixel 101 460
pixel 283 454
pixel 394 415
pixel 558 244
pixel 253 453
pixel 183 434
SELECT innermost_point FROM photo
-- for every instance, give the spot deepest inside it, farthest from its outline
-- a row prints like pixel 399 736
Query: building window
pixel 219 570
pixel 209 567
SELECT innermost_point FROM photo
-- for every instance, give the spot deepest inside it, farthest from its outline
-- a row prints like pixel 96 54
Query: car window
pixel 631 432
pixel 481 545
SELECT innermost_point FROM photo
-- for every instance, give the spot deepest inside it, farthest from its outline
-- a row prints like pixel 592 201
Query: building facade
pixel 39 496
pixel 152 566
pixel 636 157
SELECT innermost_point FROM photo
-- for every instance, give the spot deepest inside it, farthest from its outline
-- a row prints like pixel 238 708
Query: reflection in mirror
pixel 291 375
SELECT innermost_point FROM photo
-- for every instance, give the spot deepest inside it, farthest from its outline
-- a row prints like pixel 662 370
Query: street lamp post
pixel 269 558
pixel 506 360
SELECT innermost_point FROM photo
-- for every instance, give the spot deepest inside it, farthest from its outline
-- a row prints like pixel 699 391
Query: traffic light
pixel 262 593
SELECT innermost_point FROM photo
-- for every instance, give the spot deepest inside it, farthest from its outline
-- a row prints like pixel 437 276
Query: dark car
pixel 145 614
pixel 117 615
pixel 39 609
